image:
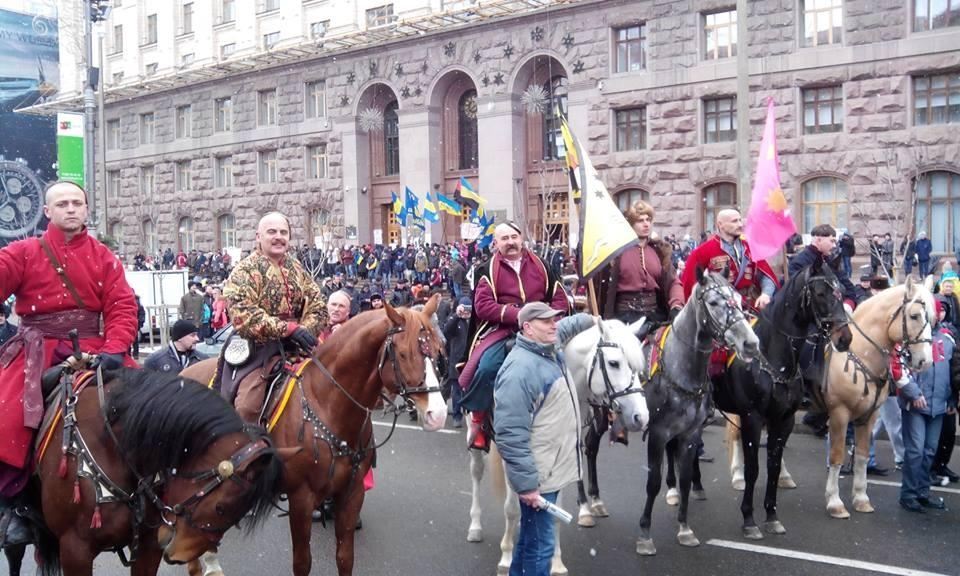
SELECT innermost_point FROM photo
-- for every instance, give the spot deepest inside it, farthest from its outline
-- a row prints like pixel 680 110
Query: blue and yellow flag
pixel 448 205
pixel 467 192
pixel 430 210
pixel 411 203
pixel 398 208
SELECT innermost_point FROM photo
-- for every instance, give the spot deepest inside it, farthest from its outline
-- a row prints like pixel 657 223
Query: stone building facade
pixel 866 94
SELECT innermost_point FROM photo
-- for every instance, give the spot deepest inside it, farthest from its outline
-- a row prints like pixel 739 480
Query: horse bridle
pixel 612 395
pixel 825 324
pixel 389 353
pixel 907 341
pixel 733 313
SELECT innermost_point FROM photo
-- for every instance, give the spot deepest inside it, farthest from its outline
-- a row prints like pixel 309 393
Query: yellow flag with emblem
pixel 604 232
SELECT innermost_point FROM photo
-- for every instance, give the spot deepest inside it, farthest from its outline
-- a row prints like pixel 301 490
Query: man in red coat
pixel 63 280
pixel 754 280
pixel 511 278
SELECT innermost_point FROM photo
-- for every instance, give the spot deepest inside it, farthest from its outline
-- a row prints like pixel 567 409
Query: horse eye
pixel 614 363
pixel 914 316
pixel 220 510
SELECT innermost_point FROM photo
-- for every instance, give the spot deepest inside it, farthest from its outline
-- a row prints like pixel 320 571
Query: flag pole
pixel 592 298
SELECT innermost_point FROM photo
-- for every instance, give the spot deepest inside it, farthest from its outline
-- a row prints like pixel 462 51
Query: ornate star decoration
pixel 398 69
pixel 344 100
pixel 485 80
pixel 373 68
pixel 578 67
pixel 351 77
pixel 498 78
pixel 449 49
pixel 508 51
pixel 567 41
pixel 476 57
pixel 405 92
pixel 424 67
pixel 536 34
pixel 417 91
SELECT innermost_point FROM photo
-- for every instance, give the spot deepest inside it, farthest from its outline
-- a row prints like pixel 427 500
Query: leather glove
pixel 110 361
pixel 304 339
pixel 674 312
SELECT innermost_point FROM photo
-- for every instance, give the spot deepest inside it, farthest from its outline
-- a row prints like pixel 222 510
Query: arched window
pixel 469 142
pixel 717 197
pixel 556 92
pixel 185 240
pixel 626 198
pixel 938 209
pixel 149 237
pixel 226 231
pixel 391 139
pixel 824 202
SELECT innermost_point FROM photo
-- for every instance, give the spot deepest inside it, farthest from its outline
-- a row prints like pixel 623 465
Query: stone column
pixel 502 151
pixel 356 175
pixel 420 149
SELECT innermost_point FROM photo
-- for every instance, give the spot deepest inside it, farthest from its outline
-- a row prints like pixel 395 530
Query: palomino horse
pixel 768 392
pixel 329 417
pixel 856 381
pixel 678 390
pixel 170 473
pixel 604 363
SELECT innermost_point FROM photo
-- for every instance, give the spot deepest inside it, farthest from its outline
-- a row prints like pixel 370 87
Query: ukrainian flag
pixel 448 205
pixel 467 191
pixel 412 202
pixel 397 206
pixel 430 210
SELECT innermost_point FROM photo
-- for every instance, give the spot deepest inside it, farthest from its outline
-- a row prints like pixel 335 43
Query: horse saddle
pixel 239 358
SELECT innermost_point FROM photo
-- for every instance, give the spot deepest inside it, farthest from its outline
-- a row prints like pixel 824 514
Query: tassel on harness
pixel 62 470
pixel 96 521
pixel 76 491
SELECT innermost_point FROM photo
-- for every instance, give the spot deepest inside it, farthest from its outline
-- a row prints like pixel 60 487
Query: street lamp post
pixel 93 11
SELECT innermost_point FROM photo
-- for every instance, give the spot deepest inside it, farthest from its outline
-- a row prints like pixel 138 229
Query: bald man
pixel 273 301
pixel 754 280
pixel 513 277
pixel 65 278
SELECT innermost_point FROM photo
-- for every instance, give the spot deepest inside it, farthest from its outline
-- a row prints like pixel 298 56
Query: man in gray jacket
pixel 537 423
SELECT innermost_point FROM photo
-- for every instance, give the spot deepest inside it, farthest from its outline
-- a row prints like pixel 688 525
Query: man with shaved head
pixel 65 279
pixel 726 250
pixel 273 302
pixel 514 276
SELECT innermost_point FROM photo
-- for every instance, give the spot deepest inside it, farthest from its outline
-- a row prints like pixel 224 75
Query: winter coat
pixel 536 416
pixel 166 359
pixel 455 331
pixel 924 248
pixel 937 384
pixel 848 247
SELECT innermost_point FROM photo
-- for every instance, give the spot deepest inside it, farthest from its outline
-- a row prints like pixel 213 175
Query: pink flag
pixel 769 224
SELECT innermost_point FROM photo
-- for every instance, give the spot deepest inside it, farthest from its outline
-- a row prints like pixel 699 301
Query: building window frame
pixel 116 41
pixel 318 29
pixel 226 231
pixel 148 181
pixel 227 11
pixel 391 139
pixel 938 208
pixel 715 197
pixel 149 30
pixel 184 121
pixel 315 99
pixel 186 19
pixel 468 134
pixel 267 107
pixel 223 114
pixel 114 134
pixel 823 111
pixel 148 232
pixel 825 200
pixel 829 10
pixel 223 171
pixel 382 15
pixel 720 113
pixel 630 48
pixel 940 94
pixel 923 21
pixel 183 175
pixel 630 129
pixel 186 234
pixel 270 40
pixel 316 161
pixel 267 167
pixel 227 50
pixel 147 128
pixel 629 196
pixel 113 183
pixel 719 29
pixel 556 90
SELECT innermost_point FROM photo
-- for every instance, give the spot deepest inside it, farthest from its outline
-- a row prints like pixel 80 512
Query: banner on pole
pixel 70 147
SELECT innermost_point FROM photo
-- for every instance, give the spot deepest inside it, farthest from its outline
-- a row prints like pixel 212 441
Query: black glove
pixel 110 361
pixel 674 312
pixel 304 339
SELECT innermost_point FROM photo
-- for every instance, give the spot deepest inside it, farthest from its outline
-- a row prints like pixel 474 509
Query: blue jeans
pixel 924 268
pixel 536 541
pixel 847 266
pixel 907 266
pixel 457 292
pixel 921 434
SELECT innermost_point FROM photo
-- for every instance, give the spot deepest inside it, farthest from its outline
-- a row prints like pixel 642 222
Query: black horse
pixel 807 312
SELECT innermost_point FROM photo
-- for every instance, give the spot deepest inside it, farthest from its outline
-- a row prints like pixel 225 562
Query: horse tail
pixel 48 552
pixel 498 475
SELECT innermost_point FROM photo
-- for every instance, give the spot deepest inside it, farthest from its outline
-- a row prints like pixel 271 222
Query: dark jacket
pixel 848 247
pixel 924 248
pixel 7 331
pixel 166 359
pixel 401 297
pixel 455 330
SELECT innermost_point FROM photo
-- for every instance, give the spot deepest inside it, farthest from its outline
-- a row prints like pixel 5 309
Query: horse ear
pixel 431 306
pixel 817 266
pixel 929 282
pixel 637 327
pixel 395 317
pixel 603 328
pixel 701 276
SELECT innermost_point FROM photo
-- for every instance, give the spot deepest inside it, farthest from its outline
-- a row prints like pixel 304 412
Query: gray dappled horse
pixel 678 390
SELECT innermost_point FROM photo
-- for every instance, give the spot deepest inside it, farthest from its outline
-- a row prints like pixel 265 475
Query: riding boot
pixel 14 530
pixel 479 440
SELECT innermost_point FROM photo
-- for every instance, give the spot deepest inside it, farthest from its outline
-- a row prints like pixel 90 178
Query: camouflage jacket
pixel 268 302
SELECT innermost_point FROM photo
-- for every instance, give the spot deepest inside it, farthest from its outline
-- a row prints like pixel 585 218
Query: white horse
pixel 604 363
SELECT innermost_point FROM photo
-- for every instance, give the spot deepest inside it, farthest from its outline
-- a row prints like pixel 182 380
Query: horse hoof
pixel 739 484
pixel 503 570
pixel 786 482
pixel 646 547
pixel 838 512
pixel 688 538
pixel 774 527
pixel 475 535
pixel 673 497
pixel 863 506
pixel 560 570
pixel 752 533
pixel 586 521
pixel 699 494
pixel 599 509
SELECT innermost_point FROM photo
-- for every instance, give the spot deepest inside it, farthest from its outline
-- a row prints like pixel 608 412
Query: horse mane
pixel 891 298
pixel 164 419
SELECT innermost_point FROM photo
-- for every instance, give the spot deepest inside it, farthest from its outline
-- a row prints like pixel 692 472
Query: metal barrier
pixel 160 318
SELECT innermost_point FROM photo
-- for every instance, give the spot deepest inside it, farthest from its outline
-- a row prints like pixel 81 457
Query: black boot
pixel 14 530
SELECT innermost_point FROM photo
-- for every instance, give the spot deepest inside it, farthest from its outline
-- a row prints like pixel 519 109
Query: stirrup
pixel 15 530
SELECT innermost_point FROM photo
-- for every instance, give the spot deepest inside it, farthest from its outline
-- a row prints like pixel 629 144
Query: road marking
pixel 897 485
pixel 833 560
pixel 416 428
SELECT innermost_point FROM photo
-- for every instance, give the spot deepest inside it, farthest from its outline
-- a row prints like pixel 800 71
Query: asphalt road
pixel 415 522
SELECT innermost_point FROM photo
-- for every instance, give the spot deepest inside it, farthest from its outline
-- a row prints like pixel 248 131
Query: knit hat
pixel 182 328
pixel 465 301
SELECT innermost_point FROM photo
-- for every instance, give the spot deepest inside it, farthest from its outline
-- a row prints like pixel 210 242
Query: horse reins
pixel 611 395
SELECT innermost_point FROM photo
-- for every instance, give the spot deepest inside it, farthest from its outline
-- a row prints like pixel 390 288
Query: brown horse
pixel 392 351
pixel 171 471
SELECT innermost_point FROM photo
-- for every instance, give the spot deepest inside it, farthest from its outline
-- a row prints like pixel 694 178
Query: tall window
pixel 627 198
pixel 268 5
pixel 823 110
pixel 224 174
pixel 186 18
pixel 938 209
pixel 113 134
pixel 184 176
pixel 226 231
pixel 824 202
pixel 556 90
pixel 267 166
pixel 467 129
pixel 716 198
pixel 631 129
pixel 267 107
pixel 185 238
pixel 222 114
pixel 822 22
pixel 934 14
pixel 113 183
pixel 146 128
pixel 270 40
pixel 720 35
pixel 380 16
pixel 936 99
pixel 317 161
pixel 720 120
pixel 147 181
pixel 631 48
pixel 150 30
pixel 149 237
pixel 227 12
pixel 315 94
pixel 184 121
pixel 391 139
pixel 117 43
